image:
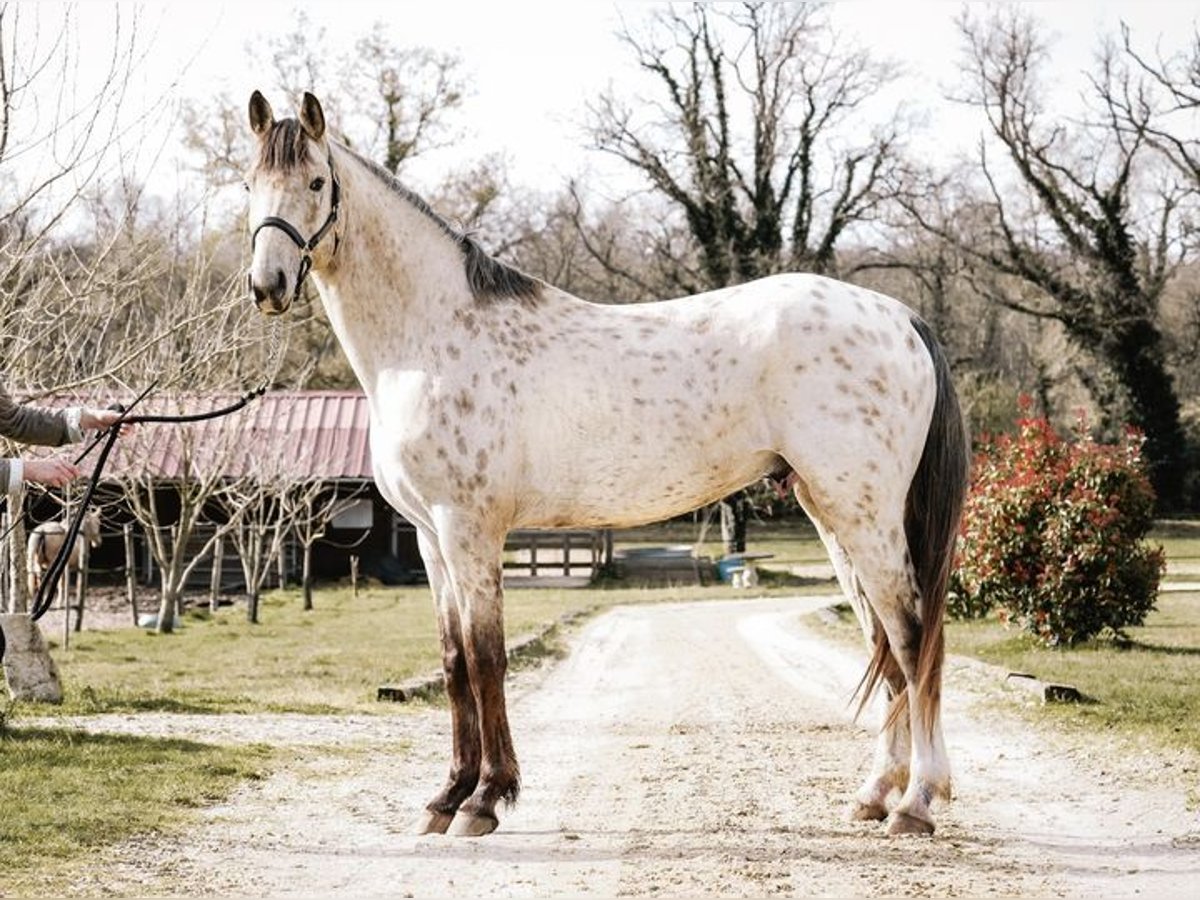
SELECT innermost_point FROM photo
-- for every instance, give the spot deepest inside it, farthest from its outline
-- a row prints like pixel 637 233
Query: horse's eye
pixel 246 186
pixel 317 184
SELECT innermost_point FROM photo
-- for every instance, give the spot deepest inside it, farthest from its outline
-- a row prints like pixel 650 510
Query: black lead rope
pixel 45 593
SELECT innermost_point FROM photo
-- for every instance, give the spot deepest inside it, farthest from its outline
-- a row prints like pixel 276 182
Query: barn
pixel 317 438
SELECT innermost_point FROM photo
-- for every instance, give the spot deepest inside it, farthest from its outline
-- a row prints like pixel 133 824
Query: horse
pixel 498 401
pixel 47 539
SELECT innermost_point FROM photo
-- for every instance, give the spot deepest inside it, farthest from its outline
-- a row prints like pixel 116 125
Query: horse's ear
pixel 312 118
pixel 261 117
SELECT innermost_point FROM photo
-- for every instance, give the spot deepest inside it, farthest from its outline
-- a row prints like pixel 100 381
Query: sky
pixel 533 66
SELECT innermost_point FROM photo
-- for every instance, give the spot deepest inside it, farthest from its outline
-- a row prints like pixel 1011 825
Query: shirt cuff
pixel 71 416
pixel 16 476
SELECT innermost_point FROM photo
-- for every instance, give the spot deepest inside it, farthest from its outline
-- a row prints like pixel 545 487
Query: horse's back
pixel 646 411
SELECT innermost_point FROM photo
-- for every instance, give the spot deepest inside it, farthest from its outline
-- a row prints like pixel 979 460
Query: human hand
pixel 102 418
pixel 54 472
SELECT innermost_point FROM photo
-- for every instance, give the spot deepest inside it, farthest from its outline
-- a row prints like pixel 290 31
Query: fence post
pixel 81 579
pixel 354 576
pixel 17 563
pixel 130 572
pixel 5 593
pixel 64 600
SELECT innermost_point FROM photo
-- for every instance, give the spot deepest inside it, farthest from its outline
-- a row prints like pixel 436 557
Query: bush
pixel 1053 535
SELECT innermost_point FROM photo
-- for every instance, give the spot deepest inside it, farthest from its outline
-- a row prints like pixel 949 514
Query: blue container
pixel 727 565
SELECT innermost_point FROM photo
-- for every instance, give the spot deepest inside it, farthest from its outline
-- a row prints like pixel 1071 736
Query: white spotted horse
pixel 499 402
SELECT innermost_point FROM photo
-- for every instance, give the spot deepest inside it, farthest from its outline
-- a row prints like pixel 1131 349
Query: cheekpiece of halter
pixel 307 247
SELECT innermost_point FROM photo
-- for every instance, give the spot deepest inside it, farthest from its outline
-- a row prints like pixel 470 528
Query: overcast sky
pixel 532 66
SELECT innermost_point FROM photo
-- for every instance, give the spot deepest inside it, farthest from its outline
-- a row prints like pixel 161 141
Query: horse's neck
pixel 396 276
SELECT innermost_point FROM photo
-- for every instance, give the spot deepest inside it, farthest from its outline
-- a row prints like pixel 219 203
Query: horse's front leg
pixel 464 723
pixel 472 554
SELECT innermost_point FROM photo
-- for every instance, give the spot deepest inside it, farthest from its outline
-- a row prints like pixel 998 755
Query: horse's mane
pixel 488 278
pixel 286 146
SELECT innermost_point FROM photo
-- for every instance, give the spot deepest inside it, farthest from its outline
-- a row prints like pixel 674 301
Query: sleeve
pixel 33 425
pixel 12 471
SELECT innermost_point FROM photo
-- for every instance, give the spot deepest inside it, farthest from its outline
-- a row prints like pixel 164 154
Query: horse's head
pixel 91 528
pixel 294 197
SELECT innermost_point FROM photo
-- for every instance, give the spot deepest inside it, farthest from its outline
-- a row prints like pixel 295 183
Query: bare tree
pixel 1079 229
pixel 309 506
pixel 256 503
pixel 389 101
pixel 1164 104
pixel 399 96
pixel 784 201
pixel 196 485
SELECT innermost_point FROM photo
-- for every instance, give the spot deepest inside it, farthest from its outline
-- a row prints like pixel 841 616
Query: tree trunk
pixel 167 610
pixel 214 585
pixel 250 569
pixel 306 578
pixel 1136 353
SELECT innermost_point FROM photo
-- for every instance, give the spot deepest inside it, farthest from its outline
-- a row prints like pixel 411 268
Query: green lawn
pixel 1149 688
pixel 67 794
pixel 331 659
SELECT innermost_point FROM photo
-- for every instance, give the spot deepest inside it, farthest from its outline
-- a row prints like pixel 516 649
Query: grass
pixel 331 659
pixel 1148 688
pixel 67 794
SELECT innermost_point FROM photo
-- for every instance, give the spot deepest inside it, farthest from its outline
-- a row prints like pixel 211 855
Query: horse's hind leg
pixel 464 722
pixel 885 574
pixel 890 769
pixel 893 747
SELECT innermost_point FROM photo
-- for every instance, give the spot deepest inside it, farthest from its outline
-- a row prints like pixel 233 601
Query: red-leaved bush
pixel 1053 535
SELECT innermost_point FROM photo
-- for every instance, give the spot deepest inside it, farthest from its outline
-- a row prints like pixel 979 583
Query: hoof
pixel 467 824
pixel 903 823
pixel 432 822
pixel 868 812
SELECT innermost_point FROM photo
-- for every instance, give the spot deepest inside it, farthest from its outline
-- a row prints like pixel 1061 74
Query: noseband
pixel 306 247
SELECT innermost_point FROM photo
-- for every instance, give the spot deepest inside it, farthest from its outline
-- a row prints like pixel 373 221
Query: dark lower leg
pixel 464 724
pixel 499 774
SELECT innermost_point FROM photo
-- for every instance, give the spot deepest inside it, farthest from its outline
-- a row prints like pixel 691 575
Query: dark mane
pixel 487 277
pixel 285 146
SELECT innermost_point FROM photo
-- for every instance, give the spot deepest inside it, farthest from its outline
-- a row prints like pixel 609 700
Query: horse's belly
pixel 639 486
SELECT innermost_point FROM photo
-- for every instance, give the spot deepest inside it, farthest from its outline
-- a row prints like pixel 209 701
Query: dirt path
pixel 700 750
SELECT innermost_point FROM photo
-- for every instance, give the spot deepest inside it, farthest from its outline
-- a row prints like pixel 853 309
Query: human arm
pixel 52 472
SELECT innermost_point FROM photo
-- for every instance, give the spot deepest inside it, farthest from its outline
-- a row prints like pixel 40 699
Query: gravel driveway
pixel 700 749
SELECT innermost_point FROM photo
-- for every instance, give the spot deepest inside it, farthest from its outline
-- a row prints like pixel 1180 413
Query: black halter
pixel 306 247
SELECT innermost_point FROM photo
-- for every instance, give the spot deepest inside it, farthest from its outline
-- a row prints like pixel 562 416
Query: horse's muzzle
pixel 271 300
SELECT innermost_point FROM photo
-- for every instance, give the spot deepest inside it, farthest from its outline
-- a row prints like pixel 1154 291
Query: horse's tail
pixel 932 513
pixel 931 520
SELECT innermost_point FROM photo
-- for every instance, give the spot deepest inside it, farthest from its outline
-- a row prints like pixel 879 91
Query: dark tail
pixel 931 520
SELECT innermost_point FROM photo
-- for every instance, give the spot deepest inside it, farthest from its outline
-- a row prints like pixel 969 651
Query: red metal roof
pixel 298 434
